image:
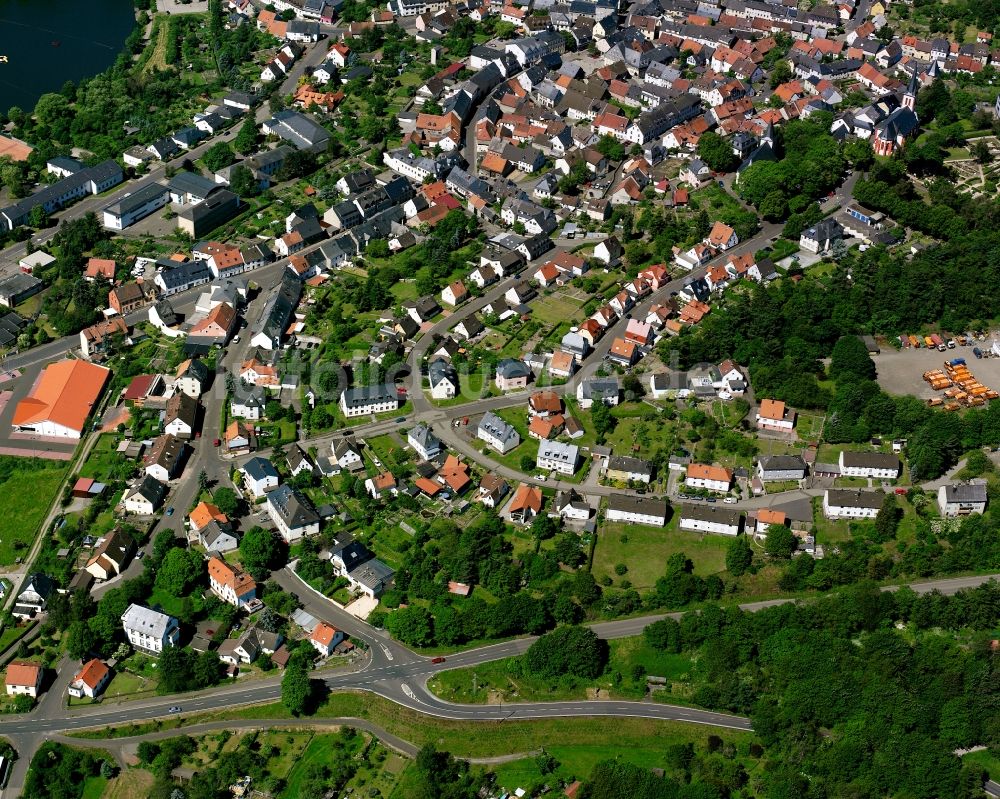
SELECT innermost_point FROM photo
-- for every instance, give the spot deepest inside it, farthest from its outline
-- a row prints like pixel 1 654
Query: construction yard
pixel 902 371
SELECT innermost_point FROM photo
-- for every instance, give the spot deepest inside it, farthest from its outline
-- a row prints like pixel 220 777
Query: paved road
pixel 390 671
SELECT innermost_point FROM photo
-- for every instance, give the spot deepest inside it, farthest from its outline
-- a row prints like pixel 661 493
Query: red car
pixel 216 442
pixel 437 660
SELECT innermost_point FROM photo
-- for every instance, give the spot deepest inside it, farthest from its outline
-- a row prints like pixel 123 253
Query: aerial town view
pixel 479 399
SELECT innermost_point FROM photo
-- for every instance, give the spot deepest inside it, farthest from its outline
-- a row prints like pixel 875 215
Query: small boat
pixel 3 59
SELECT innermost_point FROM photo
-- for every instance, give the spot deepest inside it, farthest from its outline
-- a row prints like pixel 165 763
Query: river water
pixel 47 42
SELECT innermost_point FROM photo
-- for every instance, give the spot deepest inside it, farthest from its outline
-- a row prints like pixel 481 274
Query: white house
pixel 636 510
pixel 259 477
pixel 365 400
pixel 442 379
pixel 325 638
pixel 876 465
pixel 557 456
pixel 230 583
pixel 712 478
pixel 497 433
pixel 710 519
pixel 292 513
pixel 961 499
pixel 144 499
pixel 773 415
pixel 346 455
pixel 150 630
pixel 424 442
pixel 91 680
pixel 455 293
pixel 24 679
pixel 849 503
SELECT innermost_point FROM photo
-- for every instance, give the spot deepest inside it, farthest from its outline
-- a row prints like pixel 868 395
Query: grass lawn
pixel 131 784
pixel 987 760
pixel 470 739
pixel 501 681
pixel 556 308
pixel 102 459
pixel 93 787
pixel 27 497
pixel 646 549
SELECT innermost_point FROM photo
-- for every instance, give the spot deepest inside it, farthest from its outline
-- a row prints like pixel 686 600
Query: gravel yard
pixel 901 371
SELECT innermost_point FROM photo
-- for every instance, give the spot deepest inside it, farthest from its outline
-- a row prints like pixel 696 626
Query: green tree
pixel 243 182
pixel 218 156
pixel 412 626
pixel 887 519
pixel 181 570
pixel 258 552
pixel 781 541
pixel 739 556
pixel 850 359
pixel 603 420
pixel 296 687
pixel 226 500
pixel 716 152
pixel 575 651
pixel 246 140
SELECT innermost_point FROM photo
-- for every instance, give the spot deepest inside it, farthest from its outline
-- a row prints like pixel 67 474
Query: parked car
pixel 170 511
pixel 730 500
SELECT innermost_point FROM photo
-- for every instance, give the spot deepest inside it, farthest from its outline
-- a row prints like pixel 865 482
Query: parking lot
pixel 901 371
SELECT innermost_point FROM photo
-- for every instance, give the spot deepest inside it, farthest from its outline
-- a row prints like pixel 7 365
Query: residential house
pixel 24 679
pixel 325 638
pixel 526 504
pixel 259 477
pixel 773 415
pixel 292 513
pixel 424 442
pixel 625 469
pixel 557 456
pixel 961 499
pixel 230 583
pixel 346 455
pixel 710 519
pixel 181 416
pixel 570 505
pixel 636 510
pixel 365 400
pixel 711 478
pixel 366 573
pixel 492 489
pixel 191 378
pixel 500 435
pixel 454 293
pixel 34 596
pixel 112 555
pixel 443 379
pixel 91 680
pixel 598 389
pixel 149 630
pixel 144 498
pixel 512 374
pixel 381 486
pixel 876 465
pixel 852 503
pixel 772 468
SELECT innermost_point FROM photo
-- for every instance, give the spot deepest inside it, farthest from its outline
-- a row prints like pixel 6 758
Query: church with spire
pixel 901 125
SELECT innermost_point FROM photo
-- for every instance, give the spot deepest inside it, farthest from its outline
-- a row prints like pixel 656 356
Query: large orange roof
pixel 23 674
pixel 206 512
pixel 64 394
pixel 705 472
pixel 93 672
